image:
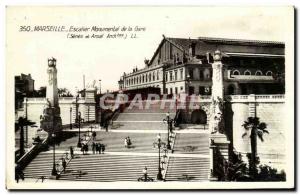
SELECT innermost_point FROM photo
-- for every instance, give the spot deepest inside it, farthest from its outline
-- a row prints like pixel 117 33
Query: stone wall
pixel 35 107
pixel 272 150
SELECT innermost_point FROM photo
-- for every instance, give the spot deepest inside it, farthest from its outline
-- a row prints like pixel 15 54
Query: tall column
pixel 216 122
pixel 52 92
pixel 51 120
pixel 218 140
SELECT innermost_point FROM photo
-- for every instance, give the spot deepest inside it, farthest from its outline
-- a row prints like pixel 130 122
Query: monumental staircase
pixel 144 116
pixel 188 160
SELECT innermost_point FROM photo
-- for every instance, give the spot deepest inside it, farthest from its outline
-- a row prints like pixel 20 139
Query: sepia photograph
pixel 150 97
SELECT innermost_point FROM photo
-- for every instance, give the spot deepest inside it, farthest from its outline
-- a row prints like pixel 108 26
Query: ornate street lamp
pixel 79 121
pixel 188 80
pixel 100 86
pixel 76 104
pixel 70 117
pixel 159 144
pixel 169 121
pixel 88 114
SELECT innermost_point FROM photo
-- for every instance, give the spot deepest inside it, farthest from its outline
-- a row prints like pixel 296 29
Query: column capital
pixel 217 56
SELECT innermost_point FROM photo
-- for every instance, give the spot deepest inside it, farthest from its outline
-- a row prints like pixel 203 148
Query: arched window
pixel 146 77
pixel 269 73
pixel 157 75
pixel 153 76
pixel 149 77
pixel 258 73
pixel 236 72
pixel 247 72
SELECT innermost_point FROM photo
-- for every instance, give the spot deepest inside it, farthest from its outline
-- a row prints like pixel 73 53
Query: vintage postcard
pixel 149 97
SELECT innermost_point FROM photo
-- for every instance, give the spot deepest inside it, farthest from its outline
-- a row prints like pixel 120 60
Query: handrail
pixel 34 150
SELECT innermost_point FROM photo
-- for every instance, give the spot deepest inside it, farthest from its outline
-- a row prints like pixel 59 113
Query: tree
pixel 64 92
pixel 256 129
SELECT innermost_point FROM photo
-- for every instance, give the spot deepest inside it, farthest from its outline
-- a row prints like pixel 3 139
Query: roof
pixel 184 43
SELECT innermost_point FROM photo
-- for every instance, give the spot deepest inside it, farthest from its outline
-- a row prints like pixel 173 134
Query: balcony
pixel 232 77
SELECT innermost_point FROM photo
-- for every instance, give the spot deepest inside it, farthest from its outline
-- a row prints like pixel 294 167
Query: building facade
pixel 184 66
pixel 24 87
pixel 253 81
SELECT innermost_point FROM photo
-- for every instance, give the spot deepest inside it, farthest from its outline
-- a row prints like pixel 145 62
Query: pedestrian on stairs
pixel 86 148
pixel 145 172
pixel 82 149
pixel 71 152
pixel 93 147
pixel 97 147
pixel 64 164
pixel 126 143
pixel 102 148
pixel 94 134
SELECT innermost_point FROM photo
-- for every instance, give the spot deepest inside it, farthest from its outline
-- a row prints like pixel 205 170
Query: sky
pixel 107 59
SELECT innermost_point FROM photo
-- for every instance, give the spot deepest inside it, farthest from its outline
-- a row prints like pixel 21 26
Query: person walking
pixel 64 164
pixel 126 142
pixel 71 152
pixel 82 149
pixel 94 134
pixel 129 141
pixel 93 147
pixel 145 172
pixel 86 148
pixel 97 148
pixel 102 148
pixel 106 124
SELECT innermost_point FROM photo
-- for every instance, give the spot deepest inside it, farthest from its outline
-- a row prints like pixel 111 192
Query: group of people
pixel 98 148
pixel 84 148
pixel 127 142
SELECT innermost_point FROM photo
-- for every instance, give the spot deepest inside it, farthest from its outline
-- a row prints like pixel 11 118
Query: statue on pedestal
pixel 217 106
pixel 51 121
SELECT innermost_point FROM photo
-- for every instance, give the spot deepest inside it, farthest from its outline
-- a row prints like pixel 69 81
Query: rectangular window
pixel 171 76
pixel 171 91
pixel 201 90
pixel 175 74
pixel 191 73
pixel 166 76
pixel 176 90
pixel 181 74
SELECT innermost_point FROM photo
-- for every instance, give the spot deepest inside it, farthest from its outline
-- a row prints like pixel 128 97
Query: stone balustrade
pixel 244 98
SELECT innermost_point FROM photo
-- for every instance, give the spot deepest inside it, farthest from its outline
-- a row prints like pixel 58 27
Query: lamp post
pixel 76 105
pixel 100 118
pixel 88 114
pixel 100 86
pixel 170 123
pixel 188 89
pixel 70 117
pixel 54 172
pixel 79 120
pixel 188 79
pixel 159 144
